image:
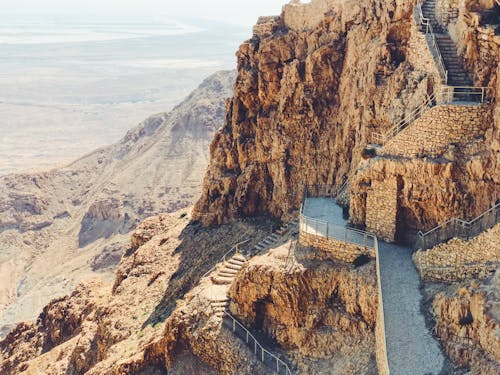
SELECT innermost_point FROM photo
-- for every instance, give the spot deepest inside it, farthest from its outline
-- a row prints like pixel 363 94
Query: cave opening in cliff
pixel 260 314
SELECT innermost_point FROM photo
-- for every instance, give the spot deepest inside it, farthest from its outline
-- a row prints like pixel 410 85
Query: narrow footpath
pixel 411 349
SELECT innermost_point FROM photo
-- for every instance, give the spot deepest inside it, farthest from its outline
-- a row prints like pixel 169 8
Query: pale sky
pixel 234 11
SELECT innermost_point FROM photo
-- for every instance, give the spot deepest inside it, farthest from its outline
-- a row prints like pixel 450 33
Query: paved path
pixel 411 348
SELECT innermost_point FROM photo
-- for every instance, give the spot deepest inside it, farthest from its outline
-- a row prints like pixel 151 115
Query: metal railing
pixel 265 356
pixel 446 95
pixel 426 22
pixel 234 250
pixel 323 228
pixel 450 94
pixel 428 103
pixel 346 234
pixel 459 228
pixel 327 229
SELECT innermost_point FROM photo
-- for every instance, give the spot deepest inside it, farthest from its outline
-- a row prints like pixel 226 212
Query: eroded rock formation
pixel 309 92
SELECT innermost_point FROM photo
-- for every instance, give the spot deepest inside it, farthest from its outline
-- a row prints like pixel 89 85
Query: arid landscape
pixel 61 226
pixel 331 207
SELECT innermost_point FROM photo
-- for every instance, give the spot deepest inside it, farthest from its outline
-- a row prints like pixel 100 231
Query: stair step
pixel 232 266
pixel 240 258
pixel 227 273
pixel 236 262
pixel 220 304
pixel 219 280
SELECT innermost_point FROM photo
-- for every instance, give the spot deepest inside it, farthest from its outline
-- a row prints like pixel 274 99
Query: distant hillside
pixel 66 224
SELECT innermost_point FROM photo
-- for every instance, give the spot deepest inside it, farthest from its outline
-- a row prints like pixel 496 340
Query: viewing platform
pixel 323 226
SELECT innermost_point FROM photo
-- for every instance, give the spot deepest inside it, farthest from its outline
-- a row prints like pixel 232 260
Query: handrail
pixel 447 95
pixel 381 139
pixel 451 93
pixel 350 235
pixel 223 259
pixel 465 228
pixel 366 235
pixel 429 30
pixel 258 347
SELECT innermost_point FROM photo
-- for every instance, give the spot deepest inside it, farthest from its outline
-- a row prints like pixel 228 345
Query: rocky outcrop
pixel 316 310
pixel 59 321
pixel 467 322
pixel 125 327
pixel 306 100
pixel 312 87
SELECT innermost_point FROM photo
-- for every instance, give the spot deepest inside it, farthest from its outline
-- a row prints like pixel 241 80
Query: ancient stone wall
pixel 420 55
pixel 336 249
pixel 446 11
pixel 459 259
pixel 430 191
pixel 457 273
pixel 432 134
pixel 381 209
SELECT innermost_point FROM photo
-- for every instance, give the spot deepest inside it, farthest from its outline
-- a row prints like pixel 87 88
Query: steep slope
pixel 120 328
pixel 60 226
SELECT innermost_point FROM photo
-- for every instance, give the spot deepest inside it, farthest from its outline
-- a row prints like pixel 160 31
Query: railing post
pixel 482 94
pixel 234 325
pixel 247 337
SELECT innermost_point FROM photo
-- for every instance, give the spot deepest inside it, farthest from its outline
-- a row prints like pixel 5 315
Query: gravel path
pixel 411 348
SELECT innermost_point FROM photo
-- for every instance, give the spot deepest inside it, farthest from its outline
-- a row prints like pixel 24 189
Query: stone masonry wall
pixel 420 55
pixel 459 259
pixel 336 249
pixel 446 10
pixel 381 209
pixel 380 341
pixel 432 134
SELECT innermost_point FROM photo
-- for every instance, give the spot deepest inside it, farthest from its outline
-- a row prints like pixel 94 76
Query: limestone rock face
pixel 316 310
pixel 305 102
pixel 143 321
pixel 467 324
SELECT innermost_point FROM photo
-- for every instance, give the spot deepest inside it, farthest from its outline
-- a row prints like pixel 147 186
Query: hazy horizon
pixel 78 75
pixel 244 13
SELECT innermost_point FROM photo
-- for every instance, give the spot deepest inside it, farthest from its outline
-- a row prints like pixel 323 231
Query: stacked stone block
pixel 381 209
pixel 432 134
pixel 335 249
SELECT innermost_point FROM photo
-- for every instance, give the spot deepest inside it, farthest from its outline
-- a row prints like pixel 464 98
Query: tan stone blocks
pixel 336 249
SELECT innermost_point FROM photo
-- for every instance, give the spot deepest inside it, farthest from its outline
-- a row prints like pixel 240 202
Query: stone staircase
pixel 457 75
pixel 226 271
pixel 273 238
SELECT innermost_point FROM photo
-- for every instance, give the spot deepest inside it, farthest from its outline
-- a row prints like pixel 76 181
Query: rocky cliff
pixel 71 223
pixel 312 87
